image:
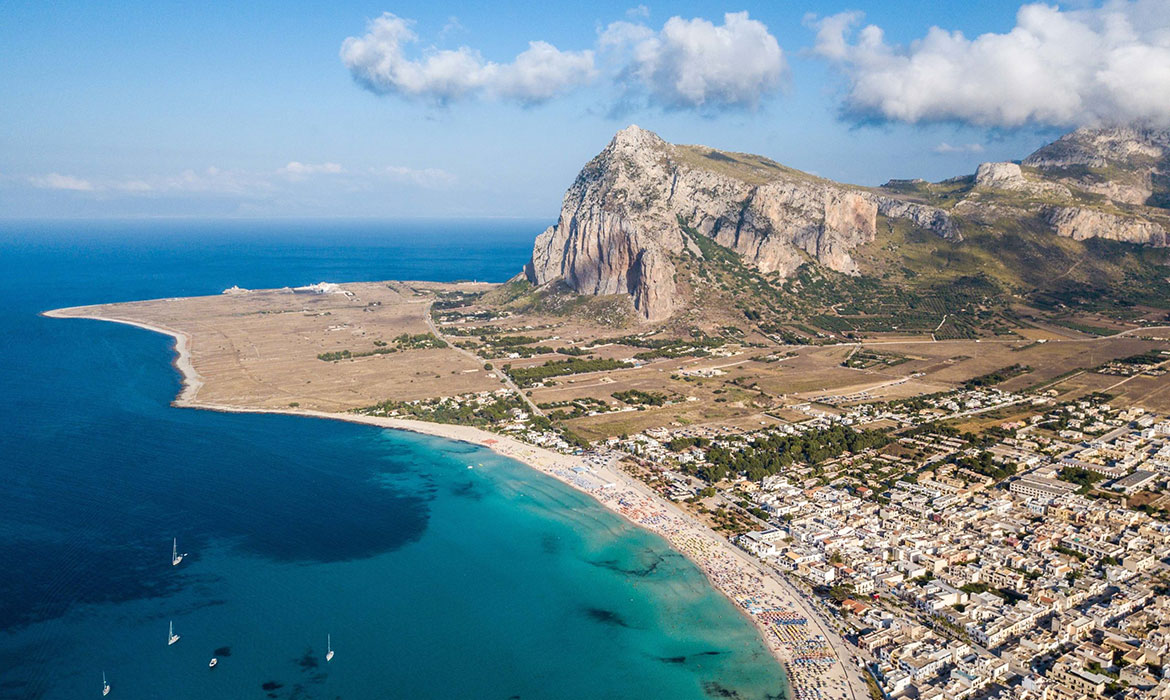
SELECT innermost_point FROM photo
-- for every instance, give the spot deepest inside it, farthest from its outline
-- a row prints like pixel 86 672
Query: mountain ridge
pixel 623 221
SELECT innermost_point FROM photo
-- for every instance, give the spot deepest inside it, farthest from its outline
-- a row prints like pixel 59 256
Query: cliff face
pixel 1080 223
pixel 631 211
pixel 1111 183
pixel 1126 165
pixel 1010 177
pixel 621 220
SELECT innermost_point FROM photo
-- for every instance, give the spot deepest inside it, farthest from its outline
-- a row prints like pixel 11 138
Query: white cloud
pixel 542 72
pixel 832 31
pixel 56 181
pixel 211 180
pixel 687 64
pixel 378 61
pixel 697 64
pixel 246 183
pixel 1055 67
pixel 423 177
pixel 135 186
pixel 452 26
pixel 296 168
pixel 945 147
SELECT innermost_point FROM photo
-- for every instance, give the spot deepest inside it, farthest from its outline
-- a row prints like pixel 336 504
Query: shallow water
pixel 434 580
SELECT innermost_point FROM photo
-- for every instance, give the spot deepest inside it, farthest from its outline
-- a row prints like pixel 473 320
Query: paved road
pixel 855 686
pixel 858 690
pixel 1111 387
pixel 1005 341
pixel 478 360
pixel 846 654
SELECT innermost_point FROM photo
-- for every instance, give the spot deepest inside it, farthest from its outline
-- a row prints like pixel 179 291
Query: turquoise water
pixel 435 580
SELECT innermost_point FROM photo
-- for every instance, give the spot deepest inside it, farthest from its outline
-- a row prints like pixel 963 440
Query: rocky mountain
pixel 637 207
pixel 1125 165
pixel 1111 183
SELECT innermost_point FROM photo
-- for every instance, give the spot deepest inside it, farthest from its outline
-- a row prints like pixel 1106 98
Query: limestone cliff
pixel 1111 183
pixel 633 210
pixel 1126 165
pixel 1080 223
pixel 622 221
pixel 1010 177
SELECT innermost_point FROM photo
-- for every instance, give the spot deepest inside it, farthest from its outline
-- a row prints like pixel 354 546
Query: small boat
pixel 172 637
pixel 329 647
pixel 175 556
pixel 212 663
pixel 105 685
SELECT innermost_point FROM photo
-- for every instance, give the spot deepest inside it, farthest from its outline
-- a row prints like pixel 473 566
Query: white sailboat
pixel 105 685
pixel 175 556
pixel 329 647
pixel 172 637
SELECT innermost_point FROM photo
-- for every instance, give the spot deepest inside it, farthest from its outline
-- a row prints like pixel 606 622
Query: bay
pixel 434 580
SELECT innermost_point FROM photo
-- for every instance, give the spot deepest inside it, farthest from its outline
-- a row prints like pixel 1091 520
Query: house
pixel 761 543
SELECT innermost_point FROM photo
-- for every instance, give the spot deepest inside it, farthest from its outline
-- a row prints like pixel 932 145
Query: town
pixel 1027 561
pixel 900 516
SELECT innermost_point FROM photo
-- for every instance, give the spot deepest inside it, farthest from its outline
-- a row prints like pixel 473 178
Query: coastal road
pixel 477 359
pixel 852 686
pixel 858 690
pixel 814 610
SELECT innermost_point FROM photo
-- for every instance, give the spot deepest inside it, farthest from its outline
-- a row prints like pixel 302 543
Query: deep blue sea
pixel 435 581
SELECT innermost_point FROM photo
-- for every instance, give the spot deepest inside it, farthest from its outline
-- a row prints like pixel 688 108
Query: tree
pixel 841 592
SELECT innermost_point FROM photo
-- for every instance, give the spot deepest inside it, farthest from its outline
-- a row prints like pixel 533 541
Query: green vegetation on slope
pixel 817 302
pixel 520 296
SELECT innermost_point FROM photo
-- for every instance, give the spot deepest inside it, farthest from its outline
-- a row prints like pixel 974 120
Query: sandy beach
pixel 791 629
pixel 191 379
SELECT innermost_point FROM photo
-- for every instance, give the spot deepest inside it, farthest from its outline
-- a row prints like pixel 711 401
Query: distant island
pixel 921 426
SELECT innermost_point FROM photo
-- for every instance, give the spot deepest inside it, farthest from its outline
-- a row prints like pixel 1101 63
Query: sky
pixel 451 109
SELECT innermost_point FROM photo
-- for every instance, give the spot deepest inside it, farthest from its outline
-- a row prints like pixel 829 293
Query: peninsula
pixel 917 433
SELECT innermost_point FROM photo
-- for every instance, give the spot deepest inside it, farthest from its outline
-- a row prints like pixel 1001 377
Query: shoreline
pixel 192 382
pixel 755 592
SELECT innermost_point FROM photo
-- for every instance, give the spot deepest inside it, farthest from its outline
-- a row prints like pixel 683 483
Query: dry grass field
pixel 260 349
pixel 1152 393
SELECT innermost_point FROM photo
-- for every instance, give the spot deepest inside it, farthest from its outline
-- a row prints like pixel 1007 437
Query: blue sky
pixel 126 109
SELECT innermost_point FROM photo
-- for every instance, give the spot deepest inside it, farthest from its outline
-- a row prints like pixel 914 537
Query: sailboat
pixel 172 637
pixel 105 685
pixel 329 647
pixel 175 556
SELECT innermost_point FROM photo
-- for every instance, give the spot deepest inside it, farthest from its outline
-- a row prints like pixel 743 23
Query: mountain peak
pixel 637 219
pixel 1096 147
pixel 638 208
pixel 1128 164
pixel 635 137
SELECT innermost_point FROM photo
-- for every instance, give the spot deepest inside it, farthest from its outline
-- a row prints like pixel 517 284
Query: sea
pixel 430 579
